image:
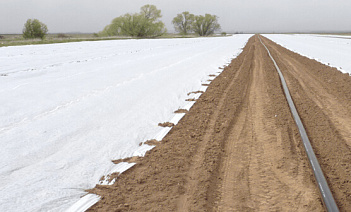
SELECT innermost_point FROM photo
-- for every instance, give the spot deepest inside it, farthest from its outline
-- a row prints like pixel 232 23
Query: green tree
pixel 143 24
pixel 205 25
pixel 150 12
pixel 34 29
pixel 183 22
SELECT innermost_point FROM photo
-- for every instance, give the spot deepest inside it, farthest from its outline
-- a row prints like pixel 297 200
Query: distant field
pixel 349 33
pixel 18 40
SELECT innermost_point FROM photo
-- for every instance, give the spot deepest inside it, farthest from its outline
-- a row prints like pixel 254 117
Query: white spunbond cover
pixel 84 203
pixel 67 110
pixel 332 50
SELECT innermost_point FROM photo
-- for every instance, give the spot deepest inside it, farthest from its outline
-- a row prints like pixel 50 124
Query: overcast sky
pixel 234 15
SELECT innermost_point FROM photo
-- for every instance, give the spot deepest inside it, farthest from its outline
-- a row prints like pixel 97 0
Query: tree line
pixel 186 23
pixel 146 23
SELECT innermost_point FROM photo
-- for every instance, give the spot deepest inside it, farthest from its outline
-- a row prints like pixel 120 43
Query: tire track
pixel 254 177
pixel 198 160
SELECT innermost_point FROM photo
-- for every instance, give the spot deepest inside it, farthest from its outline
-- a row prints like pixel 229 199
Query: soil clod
pixel 166 124
pixel 128 160
pixel 195 92
pixel 191 100
pixel 181 111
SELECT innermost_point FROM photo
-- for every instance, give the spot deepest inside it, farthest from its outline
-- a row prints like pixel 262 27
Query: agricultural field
pixel 69 109
pixel 18 40
pixel 333 50
pixel 238 148
pixel 76 116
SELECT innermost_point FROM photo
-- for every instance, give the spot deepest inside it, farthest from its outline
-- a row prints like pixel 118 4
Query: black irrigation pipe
pixel 327 196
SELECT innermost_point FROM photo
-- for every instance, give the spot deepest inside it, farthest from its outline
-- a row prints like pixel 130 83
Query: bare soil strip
pixel 238 148
pixel 322 96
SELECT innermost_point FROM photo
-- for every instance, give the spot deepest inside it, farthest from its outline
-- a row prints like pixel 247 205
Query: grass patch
pixel 18 40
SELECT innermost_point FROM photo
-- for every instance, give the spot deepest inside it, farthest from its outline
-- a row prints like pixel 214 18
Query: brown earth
pixel 238 148
pixel 191 100
pixel 166 124
pixel 195 92
pixel 181 111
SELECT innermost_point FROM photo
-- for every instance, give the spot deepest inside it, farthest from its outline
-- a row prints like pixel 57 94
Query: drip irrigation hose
pixel 326 194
